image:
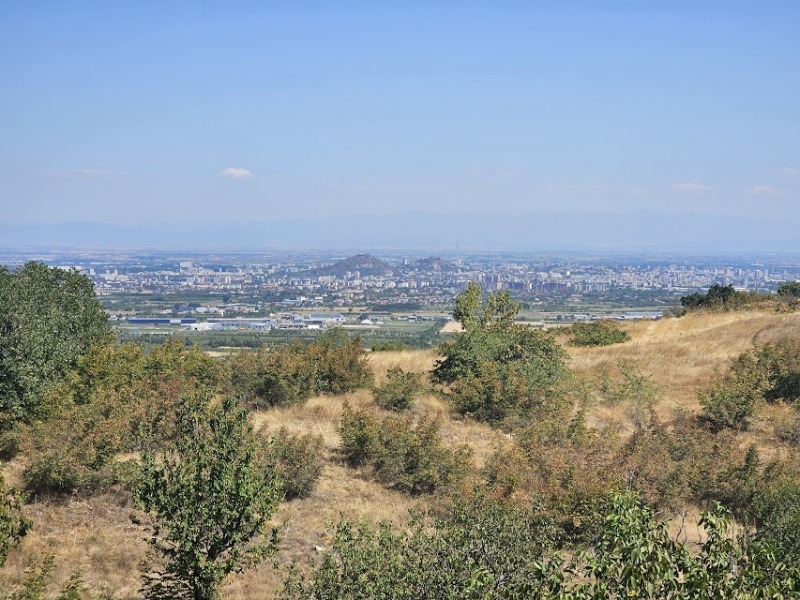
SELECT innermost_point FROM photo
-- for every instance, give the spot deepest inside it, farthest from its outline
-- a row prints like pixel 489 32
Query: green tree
pixel 473 312
pixel 789 289
pixel 210 501
pixel 49 318
pixel 468 304
pixel 495 368
pixel 718 296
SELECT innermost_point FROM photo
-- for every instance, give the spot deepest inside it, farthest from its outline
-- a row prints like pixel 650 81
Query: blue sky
pixel 251 111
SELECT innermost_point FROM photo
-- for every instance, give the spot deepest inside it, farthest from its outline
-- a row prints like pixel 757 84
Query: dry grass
pixel 415 361
pixel 681 355
pixel 452 327
pixel 96 536
pixel 319 416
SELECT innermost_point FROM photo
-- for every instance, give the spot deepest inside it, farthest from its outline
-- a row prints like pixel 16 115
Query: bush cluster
pixel 789 289
pixel 723 297
pixel 437 556
pixel 597 333
pixel 388 346
pixel 400 454
pixel 499 553
pixel 777 516
pixel 117 400
pixel 768 372
pixel 334 363
pixel 399 391
pixel 296 459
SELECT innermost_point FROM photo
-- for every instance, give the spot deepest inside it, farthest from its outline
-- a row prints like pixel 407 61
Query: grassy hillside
pixel 671 358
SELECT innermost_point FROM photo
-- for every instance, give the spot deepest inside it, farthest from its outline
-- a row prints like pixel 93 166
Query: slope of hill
pixel 682 355
pixel 678 356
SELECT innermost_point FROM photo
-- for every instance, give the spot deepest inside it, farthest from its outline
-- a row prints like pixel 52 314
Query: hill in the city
pixel 364 264
pixel 432 264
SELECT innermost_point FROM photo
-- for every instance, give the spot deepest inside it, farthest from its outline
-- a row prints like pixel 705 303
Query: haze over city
pixel 611 125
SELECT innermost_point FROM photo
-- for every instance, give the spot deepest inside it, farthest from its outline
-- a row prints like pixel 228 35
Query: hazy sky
pixel 137 111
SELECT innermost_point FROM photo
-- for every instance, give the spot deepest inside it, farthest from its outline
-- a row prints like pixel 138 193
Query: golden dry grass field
pixel 680 356
pixel 96 536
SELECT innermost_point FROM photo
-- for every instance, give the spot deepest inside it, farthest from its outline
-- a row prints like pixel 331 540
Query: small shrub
pixel 9 444
pixel 400 454
pixel 13 526
pixel 399 391
pixel 727 406
pixel 788 428
pixel 359 433
pixel 279 377
pixel 597 333
pixel 75 589
pixel 340 362
pixel 37 577
pixel 297 460
pixel 632 385
pixel 493 394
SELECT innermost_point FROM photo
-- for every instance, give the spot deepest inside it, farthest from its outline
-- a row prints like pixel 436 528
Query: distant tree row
pixel 725 296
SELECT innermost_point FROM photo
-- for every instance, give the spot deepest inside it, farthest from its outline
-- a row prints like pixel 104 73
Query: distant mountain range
pixel 562 231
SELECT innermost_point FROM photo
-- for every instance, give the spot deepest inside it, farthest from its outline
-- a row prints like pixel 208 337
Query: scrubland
pixel 669 360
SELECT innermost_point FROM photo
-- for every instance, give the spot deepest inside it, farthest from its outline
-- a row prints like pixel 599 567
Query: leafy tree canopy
pixel 497 368
pixel 49 318
pixel 717 296
pixel 790 289
pixel 211 501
